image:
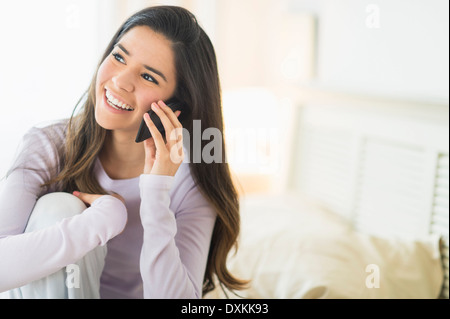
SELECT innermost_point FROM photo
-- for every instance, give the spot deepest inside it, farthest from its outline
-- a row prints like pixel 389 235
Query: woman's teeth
pixel 115 103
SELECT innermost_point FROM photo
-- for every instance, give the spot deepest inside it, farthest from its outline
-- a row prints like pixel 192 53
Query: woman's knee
pixel 52 208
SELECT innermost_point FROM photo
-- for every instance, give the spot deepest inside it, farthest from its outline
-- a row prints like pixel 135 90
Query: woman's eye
pixel 118 57
pixel 149 78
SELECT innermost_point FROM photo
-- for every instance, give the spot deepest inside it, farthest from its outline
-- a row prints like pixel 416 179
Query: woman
pixel 169 221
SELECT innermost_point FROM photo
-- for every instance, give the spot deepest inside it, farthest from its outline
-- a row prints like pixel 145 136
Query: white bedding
pixel 291 248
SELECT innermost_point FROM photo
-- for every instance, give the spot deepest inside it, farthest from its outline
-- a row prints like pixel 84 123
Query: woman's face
pixel 139 71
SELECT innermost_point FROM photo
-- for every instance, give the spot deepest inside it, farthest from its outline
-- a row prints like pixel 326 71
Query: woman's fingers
pixel 173 116
pixel 163 157
pixel 168 126
pixel 156 134
pixel 90 198
pixel 87 198
pixel 172 127
pixel 174 132
pixel 169 119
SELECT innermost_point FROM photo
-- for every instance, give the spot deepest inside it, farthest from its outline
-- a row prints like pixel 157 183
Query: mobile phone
pixel 144 132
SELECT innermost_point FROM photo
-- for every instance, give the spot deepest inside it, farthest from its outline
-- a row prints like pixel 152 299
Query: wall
pixel 403 54
pixel 48 53
pixel 393 48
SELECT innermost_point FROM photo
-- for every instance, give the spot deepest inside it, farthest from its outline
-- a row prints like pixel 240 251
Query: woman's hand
pixel 88 199
pixel 164 157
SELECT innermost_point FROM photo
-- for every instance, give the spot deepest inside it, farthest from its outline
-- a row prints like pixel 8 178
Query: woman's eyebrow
pixel 145 66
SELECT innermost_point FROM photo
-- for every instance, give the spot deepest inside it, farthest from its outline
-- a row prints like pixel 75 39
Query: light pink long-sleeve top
pixel 157 243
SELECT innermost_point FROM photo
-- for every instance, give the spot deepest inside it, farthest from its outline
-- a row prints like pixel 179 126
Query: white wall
pixel 382 47
pixel 404 54
pixel 48 53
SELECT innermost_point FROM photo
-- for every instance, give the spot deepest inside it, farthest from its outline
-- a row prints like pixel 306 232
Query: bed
pixel 364 210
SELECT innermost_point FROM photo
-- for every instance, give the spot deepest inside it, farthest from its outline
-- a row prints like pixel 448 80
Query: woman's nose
pixel 123 81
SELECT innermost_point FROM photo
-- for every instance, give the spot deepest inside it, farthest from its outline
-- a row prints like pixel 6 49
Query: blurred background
pixel 272 55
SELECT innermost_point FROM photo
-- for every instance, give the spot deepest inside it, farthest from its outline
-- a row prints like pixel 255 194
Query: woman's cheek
pixel 145 103
pixel 103 71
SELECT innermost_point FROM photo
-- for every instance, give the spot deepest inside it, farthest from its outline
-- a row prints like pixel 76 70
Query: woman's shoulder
pixel 44 138
pixel 48 132
pixel 41 146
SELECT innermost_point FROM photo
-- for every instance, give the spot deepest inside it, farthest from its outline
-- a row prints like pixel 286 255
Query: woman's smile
pixel 109 104
pixel 117 102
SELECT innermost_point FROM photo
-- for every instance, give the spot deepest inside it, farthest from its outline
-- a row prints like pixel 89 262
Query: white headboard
pixel 381 163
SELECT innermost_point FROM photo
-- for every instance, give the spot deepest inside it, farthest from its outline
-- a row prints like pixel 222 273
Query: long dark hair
pixel 198 86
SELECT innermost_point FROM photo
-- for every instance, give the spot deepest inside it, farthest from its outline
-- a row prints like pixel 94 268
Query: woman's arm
pixel 31 256
pixel 176 246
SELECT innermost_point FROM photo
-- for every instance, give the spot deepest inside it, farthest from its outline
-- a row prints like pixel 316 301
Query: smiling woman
pixel 168 226
pixel 127 79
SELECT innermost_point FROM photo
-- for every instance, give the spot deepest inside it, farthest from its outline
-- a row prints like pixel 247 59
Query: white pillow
pixel 291 248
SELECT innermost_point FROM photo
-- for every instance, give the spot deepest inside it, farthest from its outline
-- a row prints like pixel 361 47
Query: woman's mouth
pixel 115 103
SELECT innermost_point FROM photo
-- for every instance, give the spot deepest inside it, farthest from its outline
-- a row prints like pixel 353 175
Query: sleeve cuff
pixel 156 181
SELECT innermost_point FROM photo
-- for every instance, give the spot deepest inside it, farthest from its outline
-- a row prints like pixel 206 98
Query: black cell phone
pixel 144 132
